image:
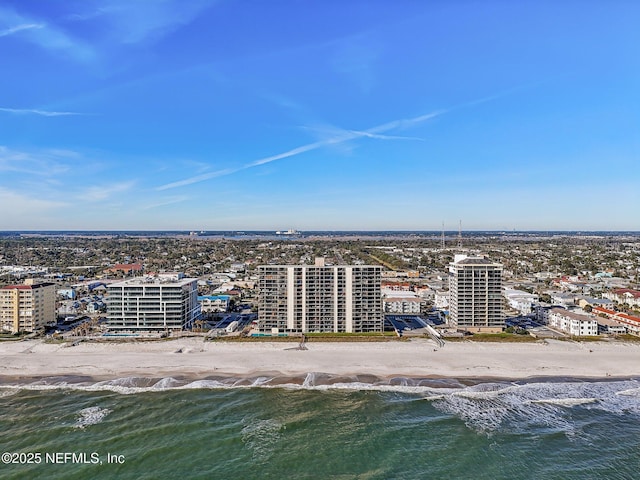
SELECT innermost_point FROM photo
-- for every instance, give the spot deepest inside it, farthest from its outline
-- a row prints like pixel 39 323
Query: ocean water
pixel 318 426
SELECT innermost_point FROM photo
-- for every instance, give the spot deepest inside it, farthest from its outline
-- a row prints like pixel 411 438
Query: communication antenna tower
pixel 460 235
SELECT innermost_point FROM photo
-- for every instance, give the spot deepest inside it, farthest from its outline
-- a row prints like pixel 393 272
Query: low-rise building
pixel 214 303
pixel 68 293
pixel 126 268
pixel 565 299
pixel 624 295
pixel 520 300
pixel 574 324
pixel 396 286
pixel 612 327
pixel 595 302
pixel 630 322
pixel 441 299
pixel 406 305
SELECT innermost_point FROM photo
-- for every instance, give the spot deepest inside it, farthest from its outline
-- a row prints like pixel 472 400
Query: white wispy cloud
pixel 22 211
pixel 45 35
pixel 133 22
pixel 165 201
pixel 96 193
pixel 199 178
pixel 18 28
pixel 378 136
pixel 406 122
pixel 35 111
pixel 22 204
pixel 39 162
pixel 324 132
pixel 343 136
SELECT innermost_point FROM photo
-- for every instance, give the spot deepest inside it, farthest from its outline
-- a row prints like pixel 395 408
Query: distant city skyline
pixel 223 115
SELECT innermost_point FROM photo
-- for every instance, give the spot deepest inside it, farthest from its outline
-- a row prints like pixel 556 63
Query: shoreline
pixel 275 380
pixel 192 358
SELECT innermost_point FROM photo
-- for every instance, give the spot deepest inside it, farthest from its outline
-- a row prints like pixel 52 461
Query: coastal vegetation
pixel 317 337
pixel 496 337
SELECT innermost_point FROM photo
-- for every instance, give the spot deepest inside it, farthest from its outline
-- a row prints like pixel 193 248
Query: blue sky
pixel 328 115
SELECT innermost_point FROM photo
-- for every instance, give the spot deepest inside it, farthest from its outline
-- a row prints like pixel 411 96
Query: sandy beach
pixel 191 357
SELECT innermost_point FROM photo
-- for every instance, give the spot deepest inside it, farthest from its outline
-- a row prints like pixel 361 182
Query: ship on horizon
pixel 291 231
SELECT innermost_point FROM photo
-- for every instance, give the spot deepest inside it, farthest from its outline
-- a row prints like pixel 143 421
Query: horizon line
pixel 321 230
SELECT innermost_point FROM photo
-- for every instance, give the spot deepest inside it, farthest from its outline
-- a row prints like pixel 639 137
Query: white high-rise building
pixel 163 302
pixel 319 298
pixel 475 294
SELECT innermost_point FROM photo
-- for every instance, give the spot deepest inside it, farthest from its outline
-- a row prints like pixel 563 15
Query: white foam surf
pixel 488 408
pixel 566 402
pixel 8 392
pixel 91 416
pixel 632 392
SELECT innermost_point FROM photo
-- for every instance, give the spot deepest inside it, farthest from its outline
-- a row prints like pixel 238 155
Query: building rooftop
pixel 572 315
pixel 214 297
pixel 473 260
pixel 627 291
pixel 401 299
pixel 154 281
pixel 624 317
pixel 320 266
pixel 27 287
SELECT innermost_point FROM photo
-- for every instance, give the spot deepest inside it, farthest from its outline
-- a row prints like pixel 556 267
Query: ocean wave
pixel 566 402
pixel 205 384
pixel 485 406
pixel 8 392
pixel 91 416
pixel 167 384
pixel 632 392
pixel 489 408
pixel 260 436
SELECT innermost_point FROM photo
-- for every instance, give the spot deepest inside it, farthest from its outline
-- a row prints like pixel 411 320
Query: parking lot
pixel 243 319
pixel 407 323
pixel 534 328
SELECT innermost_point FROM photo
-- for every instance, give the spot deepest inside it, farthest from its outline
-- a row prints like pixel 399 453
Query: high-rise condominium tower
pixel 163 302
pixel 475 290
pixel 28 307
pixel 320 298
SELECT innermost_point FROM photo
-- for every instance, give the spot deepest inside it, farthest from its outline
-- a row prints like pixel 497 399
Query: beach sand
pixel 191 357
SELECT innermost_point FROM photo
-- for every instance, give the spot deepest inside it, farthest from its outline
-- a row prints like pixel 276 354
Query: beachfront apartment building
pixel 402 304
pixel 624 295
pixel 214 303
pixel 575 324
pixel 475 294
pixel 320 298
pixel 630 323
pixel 520 300
pixel 153 303
pixel 28 307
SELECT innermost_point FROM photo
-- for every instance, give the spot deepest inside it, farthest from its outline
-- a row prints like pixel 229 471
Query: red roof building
pixel 629 321
pixel 126 268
